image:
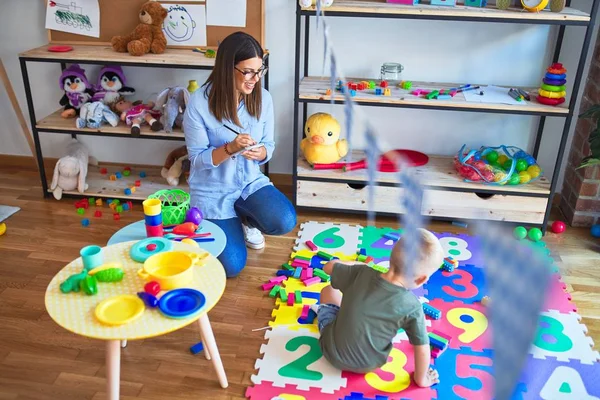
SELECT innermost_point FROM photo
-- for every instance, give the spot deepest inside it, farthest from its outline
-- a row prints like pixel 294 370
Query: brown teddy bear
pixel 148 36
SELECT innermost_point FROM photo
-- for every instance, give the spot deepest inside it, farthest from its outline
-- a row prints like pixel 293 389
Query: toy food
pixel 502 165
pixel 322 144
pixel 148 36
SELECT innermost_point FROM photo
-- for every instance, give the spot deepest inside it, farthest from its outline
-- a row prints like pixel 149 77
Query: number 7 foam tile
pixel 295 358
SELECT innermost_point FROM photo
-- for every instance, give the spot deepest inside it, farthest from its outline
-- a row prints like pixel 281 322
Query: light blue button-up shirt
pixel 215 188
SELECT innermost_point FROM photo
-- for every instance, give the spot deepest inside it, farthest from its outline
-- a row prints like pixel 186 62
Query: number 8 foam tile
pixel 467 324
pixel 562 336
pixel 329 237
pixel 266 391
pixel 295 358
pixel 465 249
pixel 557 297
pixel 550 379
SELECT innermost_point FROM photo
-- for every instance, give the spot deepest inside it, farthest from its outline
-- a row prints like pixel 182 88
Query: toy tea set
pixel 163 270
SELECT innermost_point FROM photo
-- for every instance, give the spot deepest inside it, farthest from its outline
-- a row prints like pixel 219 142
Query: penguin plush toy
pixel 78 90
pixel 111 85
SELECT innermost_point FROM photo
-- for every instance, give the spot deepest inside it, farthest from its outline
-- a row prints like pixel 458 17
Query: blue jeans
pixel 268 210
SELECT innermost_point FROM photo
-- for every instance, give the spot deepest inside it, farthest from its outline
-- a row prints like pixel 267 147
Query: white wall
pixel 503 54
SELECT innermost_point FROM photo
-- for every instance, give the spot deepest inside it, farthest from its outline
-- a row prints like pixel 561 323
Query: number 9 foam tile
pixel 329 237
pixel 295 358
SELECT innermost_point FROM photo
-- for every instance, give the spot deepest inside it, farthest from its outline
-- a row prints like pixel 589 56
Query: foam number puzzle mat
pixel 561 363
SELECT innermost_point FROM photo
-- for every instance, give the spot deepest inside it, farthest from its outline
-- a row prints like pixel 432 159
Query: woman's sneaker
pixel 254 238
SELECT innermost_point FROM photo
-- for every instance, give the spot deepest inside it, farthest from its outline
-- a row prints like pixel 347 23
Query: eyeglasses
pixel 249 75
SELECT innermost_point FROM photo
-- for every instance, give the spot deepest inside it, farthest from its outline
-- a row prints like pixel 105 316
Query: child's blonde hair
pixel 430 256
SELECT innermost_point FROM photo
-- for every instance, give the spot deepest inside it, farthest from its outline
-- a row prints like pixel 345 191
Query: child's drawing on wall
pixel 81 17
pixel 185 25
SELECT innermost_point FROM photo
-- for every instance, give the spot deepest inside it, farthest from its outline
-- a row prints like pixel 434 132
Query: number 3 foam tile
pixel 557 297
pixel 550 379
pixel 392 380
pixel 329 237
pixel 562 336
pixel 266 391
pixel 464 284
pixel 295 358
pixel 465 323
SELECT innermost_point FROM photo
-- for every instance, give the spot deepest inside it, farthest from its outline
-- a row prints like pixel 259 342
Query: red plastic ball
pixel 558 227
pixel 152 288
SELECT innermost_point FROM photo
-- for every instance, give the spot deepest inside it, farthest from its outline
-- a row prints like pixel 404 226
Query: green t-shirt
pixel 372 312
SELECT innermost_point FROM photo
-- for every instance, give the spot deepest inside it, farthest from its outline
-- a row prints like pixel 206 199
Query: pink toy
pixel 290 300
pixel 97 214
pixel 305 310
pixel 558 227
pixel 300 263
pixel 312 281
pixel 309 272
pixel 268 285
pixel 278 279
pixel 303 275
pixel 311 245
pixel 151 247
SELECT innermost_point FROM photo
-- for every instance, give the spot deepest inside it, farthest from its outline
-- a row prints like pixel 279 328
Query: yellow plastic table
pixel 75 311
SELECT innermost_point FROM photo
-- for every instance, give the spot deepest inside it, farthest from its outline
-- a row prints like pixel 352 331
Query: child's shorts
pixel 326 314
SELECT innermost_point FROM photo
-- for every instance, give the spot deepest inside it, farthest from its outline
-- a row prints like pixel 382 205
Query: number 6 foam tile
pixel 562 336
pixel 266 391
pixel 329 237
pixel 295 358
pixel 467 324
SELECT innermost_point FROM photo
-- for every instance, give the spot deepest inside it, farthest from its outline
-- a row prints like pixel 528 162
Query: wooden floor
pixel 39 360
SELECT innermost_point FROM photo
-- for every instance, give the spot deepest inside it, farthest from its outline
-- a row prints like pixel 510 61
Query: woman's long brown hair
pixel 222 101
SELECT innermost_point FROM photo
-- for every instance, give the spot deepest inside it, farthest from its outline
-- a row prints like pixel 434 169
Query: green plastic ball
pixel 492 156
pixel 535 234
pixel 521 165
pixel 520 232
pixel 507 164
pixel 514 179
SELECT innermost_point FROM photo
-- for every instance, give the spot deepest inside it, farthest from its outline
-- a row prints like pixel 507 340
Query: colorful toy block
pixel 304 312
pixel 361 86
pixel 432 95
pixel 113 177
pixel 352 93
pixel 444 96
pixel 197 348
pixel 80 211
pixel 127 169
pixel 297 273
pixel 283 295
pixel 450 3
pixel 99 202
pixel 362 252
pixel 321 274
pixel 449 264
pixel 118 175
pixel 113 206
pixel 309 272
pixel 291 299
pixel 431 312
pixel 91 201
pixel 297 297
pixel 300 263
pixel 311 245
pixel 392 236
pixel 116 216
pixel 372 84
pixel 406 85
pixel 328 92
pixel 132 189
pixel 324 255
pixel 475 3
pixel 278 279
pixel 311 281
pixel 387 92
pixel 138 183
pixel 126 207
pixel 127 172
pixel 142 174
pixel 129 204
pixel 435 342
pixel 103 171
pixel 303 275
pixel 109 201
pixel 283 272
pixel 274 291
pixel 297 257
pixel 127 191
pixel 269 285
pixel 361 258
pixel 288 267
pixel 85 222
pixel 383 84
pixel 119 208
pixel 378 92
pixel 116 201
pixel 97 213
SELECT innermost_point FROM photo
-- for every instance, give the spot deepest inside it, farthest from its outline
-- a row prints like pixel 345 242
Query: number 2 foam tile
pixel 562 336
pixel 266 391
pixel 467 324
pixel 392 380
pixel 466 284
pixel 551 379
pixel 329 237
pixel 295 358
pixel 557 297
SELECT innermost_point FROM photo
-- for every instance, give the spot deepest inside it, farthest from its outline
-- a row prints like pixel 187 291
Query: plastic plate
pixel 181 303
pixel 140 253
pixel 120 310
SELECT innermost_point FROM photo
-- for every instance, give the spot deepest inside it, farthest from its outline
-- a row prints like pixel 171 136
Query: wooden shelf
pixel 56 124
pixel 569 16
pixel 101 186
pixel 183 58
pixel 314 89
pixel 439 172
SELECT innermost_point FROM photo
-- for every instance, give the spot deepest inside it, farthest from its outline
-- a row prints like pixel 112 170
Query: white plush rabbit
pixel 70 170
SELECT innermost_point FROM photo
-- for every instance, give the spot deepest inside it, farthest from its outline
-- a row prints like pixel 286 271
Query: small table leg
pixel 113 368
pixel 123 343
pixel 209 343
pixel 205 351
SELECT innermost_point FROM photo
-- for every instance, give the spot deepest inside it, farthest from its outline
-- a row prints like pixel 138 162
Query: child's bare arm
pixel 424 376
pixel 328 268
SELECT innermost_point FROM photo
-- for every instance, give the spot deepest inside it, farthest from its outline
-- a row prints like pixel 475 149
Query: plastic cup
pixel 92 257
pixel 152 207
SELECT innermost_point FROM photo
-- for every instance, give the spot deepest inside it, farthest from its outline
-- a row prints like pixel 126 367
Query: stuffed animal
pixel 92 115
pixel 148 36
pixel 111 85
pixel 78 90
pixel 322 144
pixel 135 115
pixel 172 102
pixel 70 170
pixel 308 3
pixel 176 163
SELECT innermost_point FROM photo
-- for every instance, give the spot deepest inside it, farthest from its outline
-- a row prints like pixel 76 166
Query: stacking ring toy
pixel 552 95
pixel 556 76
pixel 552 88
pixel 554 82
pixel 141 250
pixel 550 102
pixel 557 68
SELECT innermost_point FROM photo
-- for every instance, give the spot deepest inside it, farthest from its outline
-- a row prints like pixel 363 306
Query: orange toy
pixel 557 69
pixel 148 36
pixel 187 228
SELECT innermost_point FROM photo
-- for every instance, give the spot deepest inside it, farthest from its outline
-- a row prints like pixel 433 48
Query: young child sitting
pixel 357 329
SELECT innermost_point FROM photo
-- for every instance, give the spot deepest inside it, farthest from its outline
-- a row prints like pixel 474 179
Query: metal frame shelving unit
pixel 104 55
pixel 309 90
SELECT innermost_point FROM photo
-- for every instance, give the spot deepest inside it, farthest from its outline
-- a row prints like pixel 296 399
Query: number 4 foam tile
pixel 295 358
pixel 329 237
pixel 562 336
pixel 550 379
pixel 266 391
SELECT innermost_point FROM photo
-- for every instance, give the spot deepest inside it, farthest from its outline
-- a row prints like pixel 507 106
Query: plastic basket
pixel 175 204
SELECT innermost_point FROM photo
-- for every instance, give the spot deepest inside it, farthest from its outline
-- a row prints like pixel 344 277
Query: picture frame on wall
pixel 185 25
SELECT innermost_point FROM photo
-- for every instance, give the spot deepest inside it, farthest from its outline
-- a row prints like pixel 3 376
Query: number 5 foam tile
pixel 295 358
pixel 465 374
pixel 392 380
pixel 562 336
pixel 465 284
pixel 329 237
pixel 557 297
pixel 551 379
pixel 266 391
pixel 467 324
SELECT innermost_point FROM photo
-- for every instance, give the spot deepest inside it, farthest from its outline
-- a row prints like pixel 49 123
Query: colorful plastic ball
pixel 142 174
pixel 194 215
pixel 477 156
pixel 126 172
pixel 595 231
pixel 524 177
pixel 514 179
pixel 492 156
pixel 521 165
pixel 502 158
pixel 534 171
pixel 507 165
pixel 558 227
pixel 127 191
pixel 530 160
pixel 535 234
pixel 118 175
pixel 500 177
pixel 520 154
pixel 520 232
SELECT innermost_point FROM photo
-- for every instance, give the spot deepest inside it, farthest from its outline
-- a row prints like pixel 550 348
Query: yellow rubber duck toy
pixel 322 144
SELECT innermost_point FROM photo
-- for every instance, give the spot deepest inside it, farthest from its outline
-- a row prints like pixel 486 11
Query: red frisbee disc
pixel 60 49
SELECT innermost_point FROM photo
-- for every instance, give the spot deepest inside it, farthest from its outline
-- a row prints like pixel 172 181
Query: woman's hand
pixel 257 154
pixel 241 141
